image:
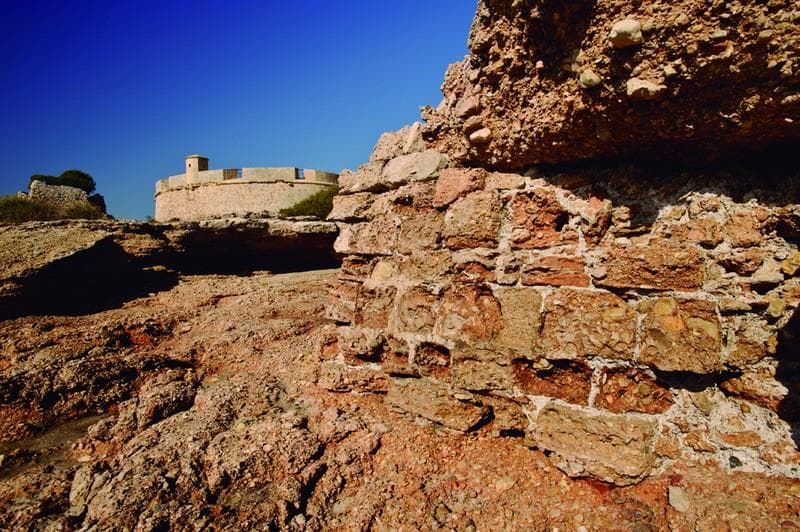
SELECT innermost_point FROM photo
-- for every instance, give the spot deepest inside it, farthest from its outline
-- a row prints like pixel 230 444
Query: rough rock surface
pixel 225 429
pixel 94 264
pixel 581 287
pixel 548 82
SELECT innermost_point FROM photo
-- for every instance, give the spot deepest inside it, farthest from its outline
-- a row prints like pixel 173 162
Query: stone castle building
pixel 200 193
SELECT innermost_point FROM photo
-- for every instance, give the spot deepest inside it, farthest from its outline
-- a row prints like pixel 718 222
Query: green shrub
pixel 80 210
pixel 16 209
pixel 68 178
pixel 318 204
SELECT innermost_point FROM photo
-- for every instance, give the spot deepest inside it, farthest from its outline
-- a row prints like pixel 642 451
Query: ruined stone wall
pixel 56 194
pixel 618 317
pixel 231 198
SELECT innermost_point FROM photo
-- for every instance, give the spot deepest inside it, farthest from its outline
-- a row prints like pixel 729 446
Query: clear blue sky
pixel 124 90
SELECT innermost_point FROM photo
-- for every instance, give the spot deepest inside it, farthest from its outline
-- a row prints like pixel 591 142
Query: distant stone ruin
pixel 200 193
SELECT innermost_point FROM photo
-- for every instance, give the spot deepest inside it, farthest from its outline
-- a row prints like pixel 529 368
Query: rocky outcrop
pixel 550 82
pixel 79 266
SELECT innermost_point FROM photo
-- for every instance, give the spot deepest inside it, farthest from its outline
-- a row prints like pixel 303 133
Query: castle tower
pixel 194 164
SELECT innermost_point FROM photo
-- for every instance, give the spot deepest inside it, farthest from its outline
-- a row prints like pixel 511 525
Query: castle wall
pixel 231 197
pixel 619 318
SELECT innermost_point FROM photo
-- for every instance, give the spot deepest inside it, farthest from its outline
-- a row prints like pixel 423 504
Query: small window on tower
pixel 300 173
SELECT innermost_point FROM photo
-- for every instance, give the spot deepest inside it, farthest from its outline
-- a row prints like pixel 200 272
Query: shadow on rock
pixel 101 278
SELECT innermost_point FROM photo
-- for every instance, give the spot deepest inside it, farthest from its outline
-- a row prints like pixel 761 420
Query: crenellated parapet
pixel 202 193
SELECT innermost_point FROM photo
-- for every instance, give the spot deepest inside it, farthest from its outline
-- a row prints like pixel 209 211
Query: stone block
pixel 420 231
pixel 374 306
pixel 359 343
pixel 419 166
pixel 432 360
pixel 561 379
pixel 473 221
pixel 539 221
pixel 454 183
pixel 416 311
pixel 743 230
pixel 653 265
pixel 431 400
pixel 434 267
pixel 395 359
pixel 351 207
pixel 482 370
pixel 580 323
pixel 680 335
pixel 520 311
pixel 367 178
pixel 631 390
pixel 554 270
pixel 469 314
pixel 342 304
pixel 614 448
pixel 703 231
pixel 394 143
pixel 753 339
pixel 376 237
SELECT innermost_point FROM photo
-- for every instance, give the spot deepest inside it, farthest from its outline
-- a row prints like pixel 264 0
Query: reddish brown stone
pixel 395 359
pixel 742 439
pixel 743 261
pixel 473 221
pixel 703 231
pixel 680 335
pixel 753 340
pixel 508 419
pixel 698 440
pixel 357 344
pixel 581 323
pixel 656 265
pixel 539 220
pixel 374 306
pixel 432 360
pixel 760 386
pixel 743 230
pixel 555 270
pixel 454 183
pixel 469 313
pixel 475 272
pixel 416 311
pixel 566 380
pixel 356 268
pixel 342 304
pixel 631 390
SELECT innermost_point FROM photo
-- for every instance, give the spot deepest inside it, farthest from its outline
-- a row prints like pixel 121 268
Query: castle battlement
pixel 201 193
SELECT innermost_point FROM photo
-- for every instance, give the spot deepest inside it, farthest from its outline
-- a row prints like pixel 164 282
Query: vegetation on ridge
pixel 68 178
pixel 19 209
pixel 318 204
